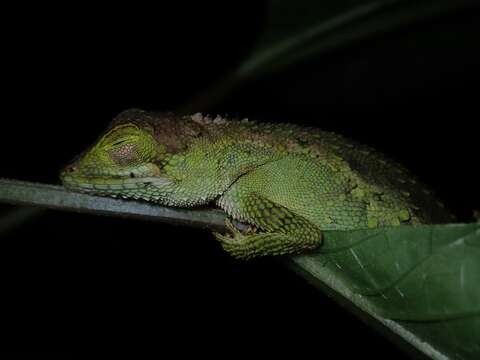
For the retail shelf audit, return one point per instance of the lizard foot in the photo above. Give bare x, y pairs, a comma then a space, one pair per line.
236, 231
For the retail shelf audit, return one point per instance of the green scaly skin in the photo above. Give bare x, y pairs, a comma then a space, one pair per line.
289, 183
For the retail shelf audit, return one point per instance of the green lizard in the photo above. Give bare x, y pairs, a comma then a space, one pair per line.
287, 182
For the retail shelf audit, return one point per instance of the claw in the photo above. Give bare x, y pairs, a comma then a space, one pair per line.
232, 234
230, 227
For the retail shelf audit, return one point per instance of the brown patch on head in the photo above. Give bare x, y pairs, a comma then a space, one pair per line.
173, 131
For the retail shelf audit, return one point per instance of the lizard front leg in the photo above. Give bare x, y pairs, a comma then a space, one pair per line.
284, 232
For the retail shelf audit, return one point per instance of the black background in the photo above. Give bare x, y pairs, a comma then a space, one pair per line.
72, 281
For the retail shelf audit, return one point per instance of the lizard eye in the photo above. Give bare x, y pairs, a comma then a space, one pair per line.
122, 142
125, 153
128, 145
119, 142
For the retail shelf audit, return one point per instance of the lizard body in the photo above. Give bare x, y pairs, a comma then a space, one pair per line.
287, 181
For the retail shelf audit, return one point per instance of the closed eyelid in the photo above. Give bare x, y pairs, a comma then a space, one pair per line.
119, 142
120, 134
122, 141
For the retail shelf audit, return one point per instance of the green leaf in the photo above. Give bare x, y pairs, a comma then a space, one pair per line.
423, 277
418, 282
299, 30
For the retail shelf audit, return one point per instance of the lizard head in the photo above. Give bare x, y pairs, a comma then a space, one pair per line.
121, 163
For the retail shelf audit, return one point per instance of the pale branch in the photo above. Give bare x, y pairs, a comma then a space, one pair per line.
58, 198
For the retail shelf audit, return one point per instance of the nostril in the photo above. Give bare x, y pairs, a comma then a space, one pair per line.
71, 169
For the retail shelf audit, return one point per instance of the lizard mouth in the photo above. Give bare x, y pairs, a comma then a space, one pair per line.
130, 183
